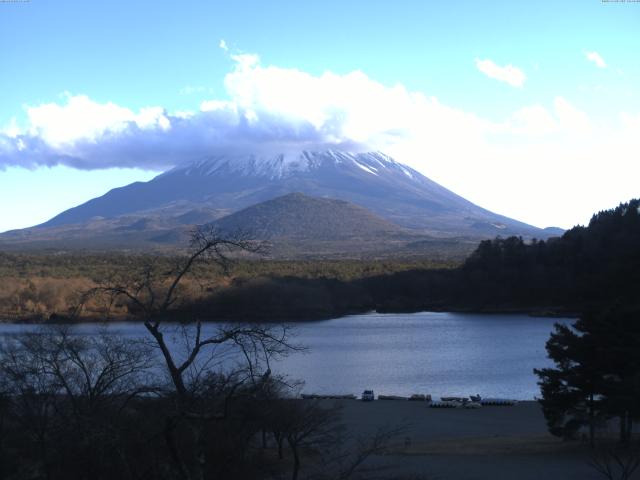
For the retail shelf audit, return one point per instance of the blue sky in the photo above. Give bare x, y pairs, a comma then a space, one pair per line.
503, 86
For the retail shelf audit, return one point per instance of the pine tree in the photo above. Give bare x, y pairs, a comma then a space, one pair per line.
617, 331
570, 399
596, 374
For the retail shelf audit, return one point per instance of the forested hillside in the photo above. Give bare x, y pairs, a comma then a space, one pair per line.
588, 267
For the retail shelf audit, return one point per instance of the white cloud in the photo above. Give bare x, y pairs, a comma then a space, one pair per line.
561, 118
12, 130
571, 119
223, 45
630, 122
596, 58
508, 74
60, 125
533, 120
245, 61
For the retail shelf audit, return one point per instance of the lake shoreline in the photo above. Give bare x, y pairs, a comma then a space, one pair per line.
55, 319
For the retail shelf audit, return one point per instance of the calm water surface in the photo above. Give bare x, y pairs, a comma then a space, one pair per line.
436, 353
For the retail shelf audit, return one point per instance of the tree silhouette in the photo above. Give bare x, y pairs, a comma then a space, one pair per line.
597, 373
200, 387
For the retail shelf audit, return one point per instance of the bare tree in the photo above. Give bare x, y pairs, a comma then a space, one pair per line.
316, 437
32, 397
616, 463
353, 462
92, 372
308, 425
65, 392
200, 384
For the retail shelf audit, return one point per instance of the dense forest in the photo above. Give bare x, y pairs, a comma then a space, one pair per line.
585, 268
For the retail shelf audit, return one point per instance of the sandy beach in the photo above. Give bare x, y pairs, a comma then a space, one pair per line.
458, 444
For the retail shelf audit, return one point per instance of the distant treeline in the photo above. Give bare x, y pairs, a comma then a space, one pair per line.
39, 286
585, 268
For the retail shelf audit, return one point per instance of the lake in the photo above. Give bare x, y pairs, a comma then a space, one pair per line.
443, 354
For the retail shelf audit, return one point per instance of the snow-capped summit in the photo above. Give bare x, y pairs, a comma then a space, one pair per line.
284, 165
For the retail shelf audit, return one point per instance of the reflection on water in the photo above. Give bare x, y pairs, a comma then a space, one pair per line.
437, 353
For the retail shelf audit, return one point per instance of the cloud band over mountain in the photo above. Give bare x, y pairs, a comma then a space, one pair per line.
274, 109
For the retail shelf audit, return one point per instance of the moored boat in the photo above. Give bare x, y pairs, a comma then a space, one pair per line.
498, 402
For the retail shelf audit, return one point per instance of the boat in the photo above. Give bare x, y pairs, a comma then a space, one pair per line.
445, 404
316, 396
498, 402
391, 397
453, 399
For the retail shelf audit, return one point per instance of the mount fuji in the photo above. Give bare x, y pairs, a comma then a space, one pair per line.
206, 190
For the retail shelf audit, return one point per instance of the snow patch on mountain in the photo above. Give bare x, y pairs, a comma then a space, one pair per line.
284, 165
365, 168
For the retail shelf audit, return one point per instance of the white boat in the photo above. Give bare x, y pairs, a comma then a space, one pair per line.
454, 399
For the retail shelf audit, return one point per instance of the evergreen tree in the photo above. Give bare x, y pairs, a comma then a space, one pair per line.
570, 397
596, 374
617, 330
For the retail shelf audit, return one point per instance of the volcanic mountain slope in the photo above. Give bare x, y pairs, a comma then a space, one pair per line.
371, 180
294, 226
298, 216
